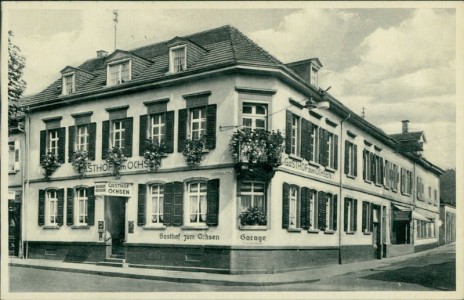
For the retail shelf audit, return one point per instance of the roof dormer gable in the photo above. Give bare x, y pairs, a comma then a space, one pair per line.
308, 70
121, 66
72, 78
183, 53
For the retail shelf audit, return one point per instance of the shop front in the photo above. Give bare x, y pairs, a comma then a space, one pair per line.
400, 235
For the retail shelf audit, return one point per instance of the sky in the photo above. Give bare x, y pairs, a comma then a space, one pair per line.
395, 63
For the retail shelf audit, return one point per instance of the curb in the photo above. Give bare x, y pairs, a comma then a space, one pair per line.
164, 278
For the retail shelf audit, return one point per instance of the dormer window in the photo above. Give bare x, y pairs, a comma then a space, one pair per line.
119, 72
178, 59
69, 85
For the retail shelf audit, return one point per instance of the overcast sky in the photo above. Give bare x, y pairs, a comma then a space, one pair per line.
396, 63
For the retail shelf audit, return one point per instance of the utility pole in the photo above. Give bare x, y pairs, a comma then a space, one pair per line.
115, 20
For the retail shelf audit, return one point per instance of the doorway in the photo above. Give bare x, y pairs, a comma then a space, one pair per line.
14, 227
115, 220
377, 232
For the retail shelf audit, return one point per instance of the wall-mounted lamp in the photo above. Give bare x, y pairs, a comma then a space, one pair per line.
311, 104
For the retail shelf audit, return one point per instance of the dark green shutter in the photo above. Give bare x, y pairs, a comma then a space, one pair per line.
211, 126
335, 156
128, 125
364, 216
382, 172
347, 157
322, 142
43, 143
178, 201
212, 216
345, 215
285, 205
335, 212
168, 204
321, 211
364, 164
141, 215
169, 137
61, 144
372, 166
143, 134
59, 218
355, 159
182, 130
105, 138
71, 132
305, 198
304, 134
355, 214
311, 149
91, 206
371, 218
92, 140
70, 207
41, 210
288, 132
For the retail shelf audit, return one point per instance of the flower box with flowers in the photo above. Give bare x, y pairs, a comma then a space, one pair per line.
153, 154
49, 162
80, 161
115, 160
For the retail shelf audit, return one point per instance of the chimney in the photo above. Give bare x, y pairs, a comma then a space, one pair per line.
405, 126
101, 53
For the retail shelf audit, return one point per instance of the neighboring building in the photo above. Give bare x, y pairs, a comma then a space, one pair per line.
448, 223
343, 192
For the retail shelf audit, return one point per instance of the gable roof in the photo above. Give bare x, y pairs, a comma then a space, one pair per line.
408, 136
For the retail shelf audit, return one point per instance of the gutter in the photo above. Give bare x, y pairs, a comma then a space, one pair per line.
341, 190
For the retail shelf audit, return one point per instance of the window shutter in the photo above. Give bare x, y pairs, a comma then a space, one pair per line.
168, 204
364, 216
71, 132
335, 212
304, 139
311, 149
169, 138
321, 211
178, 201
128, 125
364, 164
355, 159
143, 134
91, 206
212, 214
41, 210
92, 140
345, 216
288, 132
347, 157
305, 197
17, 151
43, 143
371, 217
382, 172
182, 130
322, 143
59, 218
285, 205
326, 149
141, 218
355, 215
211, 126
335, 154
105, 138
70, 207
61, 144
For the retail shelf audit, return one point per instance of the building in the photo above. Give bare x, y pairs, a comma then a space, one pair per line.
448, 223
219, 196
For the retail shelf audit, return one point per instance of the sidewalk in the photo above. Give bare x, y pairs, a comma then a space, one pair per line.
304, 276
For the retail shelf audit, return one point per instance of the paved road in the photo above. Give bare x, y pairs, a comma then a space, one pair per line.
429, 272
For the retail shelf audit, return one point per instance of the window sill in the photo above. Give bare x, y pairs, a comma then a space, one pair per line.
329, 169
350, 232
80, 227
194, 227
315, 164
296, 157
426, 238
12, 171
350, 176
294, 229
367, 233
51, 227
405, 194
154, 227
253, 227
378, 184
316, 231
367, 181
204, 151
327, 231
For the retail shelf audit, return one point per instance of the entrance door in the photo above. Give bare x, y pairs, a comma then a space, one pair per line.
377, 236
14, 227
115, 219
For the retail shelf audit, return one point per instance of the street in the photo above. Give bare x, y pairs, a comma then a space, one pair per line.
431, 271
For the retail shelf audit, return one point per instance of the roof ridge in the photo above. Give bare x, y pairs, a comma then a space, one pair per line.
232, 44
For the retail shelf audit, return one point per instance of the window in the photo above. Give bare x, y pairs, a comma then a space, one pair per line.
11, 156
51, 209
252, 194
425, 229
82, 138
312, 210
82, 206
196, 195
295, 138
351, 167
435, 202
119, 73
367, 217
406, 181
117, 134
158, 127
197, 123
53, 142
68, 84
331, 150
178, 59
314, 77
327, 211
254, 116
155, 203
315, 143
350, 216
294, 200
430, 194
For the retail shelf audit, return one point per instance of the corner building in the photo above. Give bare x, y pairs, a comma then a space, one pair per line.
338, 192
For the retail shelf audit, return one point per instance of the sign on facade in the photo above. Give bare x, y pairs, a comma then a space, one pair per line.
399, 215
119, 189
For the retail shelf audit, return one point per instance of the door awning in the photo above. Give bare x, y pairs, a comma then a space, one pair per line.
402, 208
418, 216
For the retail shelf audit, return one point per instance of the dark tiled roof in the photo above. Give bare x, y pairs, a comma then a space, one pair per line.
225, 46
407, 137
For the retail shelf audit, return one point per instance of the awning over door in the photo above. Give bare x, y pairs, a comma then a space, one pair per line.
402, 208
418, 216
401, 213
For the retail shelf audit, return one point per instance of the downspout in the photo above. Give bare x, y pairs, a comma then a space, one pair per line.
27, 185
341, 190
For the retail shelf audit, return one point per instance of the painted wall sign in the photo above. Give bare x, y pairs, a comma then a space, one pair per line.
304, 166
399, 215
253, 238
113, 189
129, 165
189, 237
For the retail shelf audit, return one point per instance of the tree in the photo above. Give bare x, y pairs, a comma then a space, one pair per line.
16, 85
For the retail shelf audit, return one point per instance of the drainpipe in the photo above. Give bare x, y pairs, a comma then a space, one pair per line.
27, 187
341, 190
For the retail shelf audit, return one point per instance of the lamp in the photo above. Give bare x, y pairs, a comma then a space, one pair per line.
311, 104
